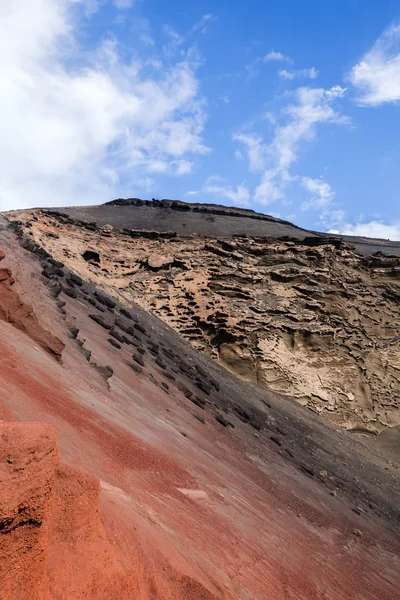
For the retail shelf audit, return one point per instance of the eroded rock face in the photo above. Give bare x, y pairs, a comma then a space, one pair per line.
28, 461
309, 318
21, 315
52, 541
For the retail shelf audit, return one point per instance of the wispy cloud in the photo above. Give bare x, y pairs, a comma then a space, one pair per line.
177, 39
299, 74
377, 76
254, 67
277, 57
72, 134
219, 188
311, 108
372, 229
321, 193
255, 149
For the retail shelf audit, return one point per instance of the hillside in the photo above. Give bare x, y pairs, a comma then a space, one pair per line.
127, 451
304, 314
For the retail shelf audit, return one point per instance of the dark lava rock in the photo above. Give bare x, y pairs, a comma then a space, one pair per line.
307, 470
105, 300
140, 328
165, 385
135, 368
137, 358
114, 343
74, 332
168, 353
221, 419
183, 388
201, 371
55, 289
122, 325
70, 292
242, 414
105, 372
141, 349
127, 314
255, 424
76, 279
204, 386
117, 336
55, 263
160, 363
276, 440
186, 370
168, 375
61, 303
92, 301
201, 419
101, 321
198, 402
215, 384
86, 353
50, 272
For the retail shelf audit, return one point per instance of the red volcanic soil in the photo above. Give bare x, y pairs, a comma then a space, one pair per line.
115, 490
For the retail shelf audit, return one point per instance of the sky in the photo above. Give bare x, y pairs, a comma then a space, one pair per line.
288, 108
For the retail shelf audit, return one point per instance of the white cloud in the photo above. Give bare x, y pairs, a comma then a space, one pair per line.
312, 107
239, 155
277, 56
269, 190
253, 68
373, 229
215, 186
377, 75
177, 40
192, 193
71, 131
255, 150
300, 73
322, 193
202, 25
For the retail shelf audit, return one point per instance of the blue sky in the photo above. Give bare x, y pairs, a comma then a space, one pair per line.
290, 108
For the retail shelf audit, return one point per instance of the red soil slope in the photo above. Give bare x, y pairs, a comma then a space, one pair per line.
147, 501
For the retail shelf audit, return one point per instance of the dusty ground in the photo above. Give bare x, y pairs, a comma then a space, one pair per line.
156, 503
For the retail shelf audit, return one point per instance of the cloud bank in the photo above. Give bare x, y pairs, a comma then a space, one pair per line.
74, 125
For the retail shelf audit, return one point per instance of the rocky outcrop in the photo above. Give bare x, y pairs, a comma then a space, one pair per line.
50, 523
21, 315
310, 318
28, 461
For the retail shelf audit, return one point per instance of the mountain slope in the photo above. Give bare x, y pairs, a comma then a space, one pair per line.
209, 487
303, 314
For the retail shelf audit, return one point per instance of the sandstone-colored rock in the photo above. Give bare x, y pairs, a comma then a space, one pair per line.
159, 261
309, 318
